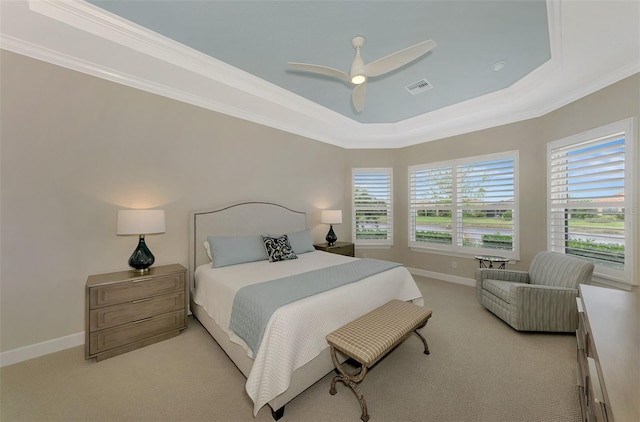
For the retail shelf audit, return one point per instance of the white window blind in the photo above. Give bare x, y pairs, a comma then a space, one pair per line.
372, 206
486, 202
431, 198
466, 206
589, 198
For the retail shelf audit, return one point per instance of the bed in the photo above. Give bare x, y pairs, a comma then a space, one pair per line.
293, 353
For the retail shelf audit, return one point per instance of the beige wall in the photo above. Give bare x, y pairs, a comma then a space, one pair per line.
616, 102
75, 149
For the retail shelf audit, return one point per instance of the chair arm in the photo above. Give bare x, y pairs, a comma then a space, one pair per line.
504, 275
545, 308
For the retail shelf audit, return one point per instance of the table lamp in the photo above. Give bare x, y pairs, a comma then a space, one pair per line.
141, 222
331, 217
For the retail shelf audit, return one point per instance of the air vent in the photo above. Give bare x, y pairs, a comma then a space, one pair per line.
417, 87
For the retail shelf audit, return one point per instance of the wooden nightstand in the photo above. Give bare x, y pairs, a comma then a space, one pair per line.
341, 248
127, 310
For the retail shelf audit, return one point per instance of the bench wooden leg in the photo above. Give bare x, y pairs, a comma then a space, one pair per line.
350, 380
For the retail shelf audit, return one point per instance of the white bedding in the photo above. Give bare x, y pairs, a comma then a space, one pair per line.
296, 332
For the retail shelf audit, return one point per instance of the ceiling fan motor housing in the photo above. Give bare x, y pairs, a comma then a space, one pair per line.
356, 74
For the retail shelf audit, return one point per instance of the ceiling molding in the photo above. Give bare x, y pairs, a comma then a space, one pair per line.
165, 67
90, 18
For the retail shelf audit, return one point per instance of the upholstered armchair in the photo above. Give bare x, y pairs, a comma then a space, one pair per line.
541, 299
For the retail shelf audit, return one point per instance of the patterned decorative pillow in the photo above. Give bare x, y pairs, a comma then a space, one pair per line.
278, 248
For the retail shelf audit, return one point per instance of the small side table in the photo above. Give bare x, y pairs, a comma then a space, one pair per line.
340, 248
487, 261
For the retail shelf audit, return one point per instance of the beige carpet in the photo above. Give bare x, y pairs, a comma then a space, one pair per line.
479, 370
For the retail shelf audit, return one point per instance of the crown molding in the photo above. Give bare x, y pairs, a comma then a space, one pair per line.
165, 67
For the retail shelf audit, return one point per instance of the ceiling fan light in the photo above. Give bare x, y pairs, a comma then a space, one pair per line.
358, 79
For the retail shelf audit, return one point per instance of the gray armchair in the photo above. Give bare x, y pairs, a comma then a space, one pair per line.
542, 299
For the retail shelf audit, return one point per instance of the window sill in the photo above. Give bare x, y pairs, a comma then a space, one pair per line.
369, 246
458, 254
610, 282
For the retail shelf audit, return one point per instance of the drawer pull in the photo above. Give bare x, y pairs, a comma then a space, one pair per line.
595, 380
137, 280
142, 320
579, 375
579, 305
142, 300
580, 339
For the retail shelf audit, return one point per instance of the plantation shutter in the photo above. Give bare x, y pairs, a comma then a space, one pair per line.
372, 206
587, 200
485, 193
467, 206
430, 193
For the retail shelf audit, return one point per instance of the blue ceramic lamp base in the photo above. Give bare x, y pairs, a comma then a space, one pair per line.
141, 258
331, 236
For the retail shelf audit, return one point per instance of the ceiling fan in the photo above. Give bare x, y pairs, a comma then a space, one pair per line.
360, 72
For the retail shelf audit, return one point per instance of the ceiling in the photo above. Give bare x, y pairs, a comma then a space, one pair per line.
261, 37
231, 57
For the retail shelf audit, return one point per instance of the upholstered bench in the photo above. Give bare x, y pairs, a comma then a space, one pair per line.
370, 337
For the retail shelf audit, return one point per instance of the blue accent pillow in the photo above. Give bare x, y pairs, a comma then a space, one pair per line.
301, 241
227, 251
278, 248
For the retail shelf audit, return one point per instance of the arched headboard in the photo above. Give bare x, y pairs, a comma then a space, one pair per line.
243, 219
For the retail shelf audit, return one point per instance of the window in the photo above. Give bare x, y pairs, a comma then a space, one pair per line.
372, 206
590, 199
466, 206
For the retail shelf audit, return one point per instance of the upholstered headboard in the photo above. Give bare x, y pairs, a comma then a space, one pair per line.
243, 219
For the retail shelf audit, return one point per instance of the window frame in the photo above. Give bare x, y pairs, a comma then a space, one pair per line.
372, 243
620, 128
457, 209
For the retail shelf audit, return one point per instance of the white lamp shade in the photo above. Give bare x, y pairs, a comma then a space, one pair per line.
331, 217
140, 222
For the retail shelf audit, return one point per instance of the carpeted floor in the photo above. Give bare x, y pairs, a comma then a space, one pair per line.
479, 369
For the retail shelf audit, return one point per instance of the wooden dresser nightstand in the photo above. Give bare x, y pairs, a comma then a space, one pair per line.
127, 310
340, 248
607, 338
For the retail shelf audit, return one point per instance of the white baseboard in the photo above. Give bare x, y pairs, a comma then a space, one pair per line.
40, 349
445, 277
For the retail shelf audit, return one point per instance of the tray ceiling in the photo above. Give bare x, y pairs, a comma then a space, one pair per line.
231, 56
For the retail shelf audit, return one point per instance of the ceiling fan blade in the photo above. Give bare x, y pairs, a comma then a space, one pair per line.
323, 70
358, 96
398, 59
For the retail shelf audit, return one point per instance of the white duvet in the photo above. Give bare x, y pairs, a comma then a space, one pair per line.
296, 332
